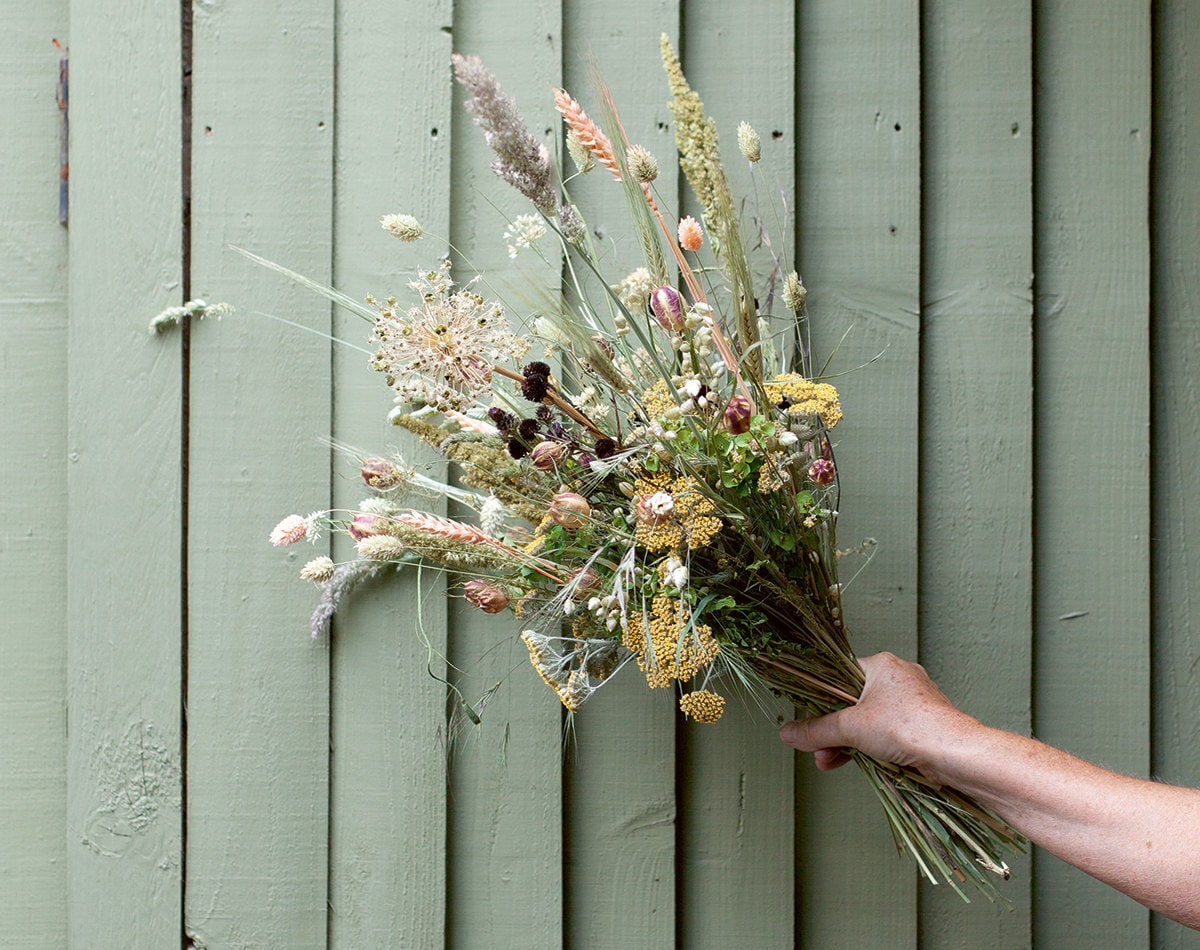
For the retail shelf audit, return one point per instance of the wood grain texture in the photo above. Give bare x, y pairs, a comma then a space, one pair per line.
977, 397
1092, 415
124, 821
388, 764
33, 518
259, 405
506, 797
736, 797
620, 811
1175, 625
859, 250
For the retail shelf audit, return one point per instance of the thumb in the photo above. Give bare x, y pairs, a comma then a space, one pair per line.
809, 735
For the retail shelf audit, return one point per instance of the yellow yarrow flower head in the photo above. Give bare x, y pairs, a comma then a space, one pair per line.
702, 705
667, 644
798, 396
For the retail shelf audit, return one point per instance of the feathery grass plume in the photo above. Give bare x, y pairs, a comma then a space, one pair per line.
427, 432
586, 132
643, 210
700, 159
521, 160
695, 133
199, 309
345, 578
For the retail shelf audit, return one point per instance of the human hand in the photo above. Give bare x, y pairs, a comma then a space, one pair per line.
901, 717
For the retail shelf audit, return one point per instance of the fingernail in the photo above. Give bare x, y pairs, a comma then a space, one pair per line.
788, 732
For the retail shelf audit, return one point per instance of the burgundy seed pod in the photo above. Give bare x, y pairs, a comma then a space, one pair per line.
379, 473
737, 414
489, 598
570, 510
546, 455
366, 525
821, 471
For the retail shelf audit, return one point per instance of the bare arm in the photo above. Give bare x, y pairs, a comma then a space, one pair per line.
1141, 837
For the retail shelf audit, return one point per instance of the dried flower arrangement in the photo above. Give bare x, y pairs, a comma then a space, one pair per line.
666, 499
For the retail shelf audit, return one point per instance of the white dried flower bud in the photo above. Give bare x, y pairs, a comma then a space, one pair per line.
749, 142
318, 569
794, 292
643, 165
403, 226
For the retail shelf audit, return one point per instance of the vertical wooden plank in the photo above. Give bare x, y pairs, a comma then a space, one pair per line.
736, 857
1091, 421
124, 820
33, 430
976, 397
1175, 577
505, 847
258, 691
388, 766
619, 821
859, 214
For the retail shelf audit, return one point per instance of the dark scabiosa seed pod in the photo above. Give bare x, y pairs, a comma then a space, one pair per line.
528, 430
504, 421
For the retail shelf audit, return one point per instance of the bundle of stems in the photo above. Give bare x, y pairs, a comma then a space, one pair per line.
667, 499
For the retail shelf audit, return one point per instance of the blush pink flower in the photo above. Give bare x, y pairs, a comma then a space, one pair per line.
291, 529
691, 235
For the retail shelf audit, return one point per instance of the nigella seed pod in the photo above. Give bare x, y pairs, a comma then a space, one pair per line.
737, 415
570, 510
489, 598
380, 474
366, 525
667, 307
821, 471
588, 583
546, 455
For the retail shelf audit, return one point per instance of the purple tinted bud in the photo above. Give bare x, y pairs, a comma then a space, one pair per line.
667, 307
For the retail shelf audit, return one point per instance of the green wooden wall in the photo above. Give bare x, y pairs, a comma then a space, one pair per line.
1002, 198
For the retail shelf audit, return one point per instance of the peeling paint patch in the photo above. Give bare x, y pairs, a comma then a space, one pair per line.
137, 776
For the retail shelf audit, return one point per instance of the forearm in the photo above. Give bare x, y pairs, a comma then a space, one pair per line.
1140, 837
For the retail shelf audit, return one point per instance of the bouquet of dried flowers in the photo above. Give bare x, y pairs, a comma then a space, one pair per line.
659, 491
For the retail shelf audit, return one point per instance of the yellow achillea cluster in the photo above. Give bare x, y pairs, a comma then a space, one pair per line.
770, 476
669, 655
798, 396
703, 705
692, 521
657, 401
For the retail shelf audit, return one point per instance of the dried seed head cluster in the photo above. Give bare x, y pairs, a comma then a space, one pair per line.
442, 351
